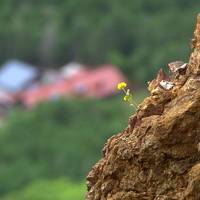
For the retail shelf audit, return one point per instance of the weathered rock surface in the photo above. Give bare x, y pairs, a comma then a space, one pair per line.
158, 156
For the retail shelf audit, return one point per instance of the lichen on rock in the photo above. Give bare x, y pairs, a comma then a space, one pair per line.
157, 157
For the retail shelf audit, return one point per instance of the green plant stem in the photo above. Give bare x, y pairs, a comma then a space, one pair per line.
132, 103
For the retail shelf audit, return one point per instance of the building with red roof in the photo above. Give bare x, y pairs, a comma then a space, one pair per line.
93, 83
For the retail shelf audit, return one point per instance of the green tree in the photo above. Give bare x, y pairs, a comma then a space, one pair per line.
57, 139
139, 36
49, 190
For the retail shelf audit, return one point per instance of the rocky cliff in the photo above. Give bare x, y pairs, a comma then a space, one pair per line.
158, 156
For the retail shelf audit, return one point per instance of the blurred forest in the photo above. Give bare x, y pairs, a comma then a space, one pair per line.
46, 154
139, 35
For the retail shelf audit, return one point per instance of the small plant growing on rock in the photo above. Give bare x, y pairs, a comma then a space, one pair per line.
128, 95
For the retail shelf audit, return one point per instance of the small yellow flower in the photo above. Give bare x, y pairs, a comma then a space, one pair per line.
121, 85
127, 98
128, 95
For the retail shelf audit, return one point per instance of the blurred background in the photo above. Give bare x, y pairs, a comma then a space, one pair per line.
60, 62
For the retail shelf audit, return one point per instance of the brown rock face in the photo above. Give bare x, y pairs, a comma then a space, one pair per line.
158, 156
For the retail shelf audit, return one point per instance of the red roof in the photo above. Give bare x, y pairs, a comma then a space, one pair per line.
100, 82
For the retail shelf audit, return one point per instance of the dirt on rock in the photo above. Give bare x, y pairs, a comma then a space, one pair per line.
157, 157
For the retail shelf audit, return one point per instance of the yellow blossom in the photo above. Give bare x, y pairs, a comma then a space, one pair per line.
121, 85
128, 95
126, 98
